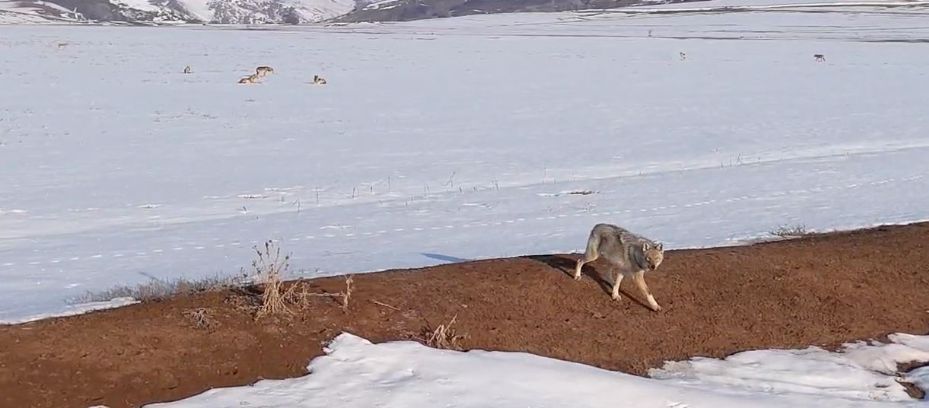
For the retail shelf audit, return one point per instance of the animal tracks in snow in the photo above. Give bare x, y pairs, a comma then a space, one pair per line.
341, 231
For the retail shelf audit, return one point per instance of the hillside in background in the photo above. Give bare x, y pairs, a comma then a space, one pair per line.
277, 11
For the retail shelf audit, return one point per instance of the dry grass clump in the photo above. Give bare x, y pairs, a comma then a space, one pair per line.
276, 297
160, 289
444, 336
261, 291
270, 268
200, 317
795, 231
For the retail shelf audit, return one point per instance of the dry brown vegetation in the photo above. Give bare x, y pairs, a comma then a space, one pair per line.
270, 269
443, 336
159, 289
794, 231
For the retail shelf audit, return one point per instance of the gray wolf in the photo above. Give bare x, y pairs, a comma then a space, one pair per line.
819, 57
683, 55
263, 70
251, 79
318, 80
187, 69
627, 253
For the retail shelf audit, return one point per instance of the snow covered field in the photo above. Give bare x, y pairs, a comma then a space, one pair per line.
443, 140
356, 373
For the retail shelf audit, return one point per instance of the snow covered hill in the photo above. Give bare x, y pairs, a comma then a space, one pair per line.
174, 11
267, 11
277, 11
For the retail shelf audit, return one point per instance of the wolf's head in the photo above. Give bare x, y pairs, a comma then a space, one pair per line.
653, 254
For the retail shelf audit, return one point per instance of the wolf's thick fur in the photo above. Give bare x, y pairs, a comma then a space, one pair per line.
627, 254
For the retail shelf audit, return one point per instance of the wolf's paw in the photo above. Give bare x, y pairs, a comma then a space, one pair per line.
657, 308
577, 277
616, 296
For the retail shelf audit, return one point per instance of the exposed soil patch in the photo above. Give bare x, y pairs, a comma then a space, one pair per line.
912, 390
818, 290
906, 368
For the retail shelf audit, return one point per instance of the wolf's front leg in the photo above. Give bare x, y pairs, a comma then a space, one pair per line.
639, 279
616, 282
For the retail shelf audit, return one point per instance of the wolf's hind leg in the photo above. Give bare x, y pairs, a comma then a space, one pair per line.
589, 256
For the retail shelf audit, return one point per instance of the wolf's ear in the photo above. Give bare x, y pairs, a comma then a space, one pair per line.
644, 246
660, 246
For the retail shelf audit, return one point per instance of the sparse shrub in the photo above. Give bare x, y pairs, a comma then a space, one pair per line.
159, 289
795, 231
261, 291
444, 336
270, 269
200, 317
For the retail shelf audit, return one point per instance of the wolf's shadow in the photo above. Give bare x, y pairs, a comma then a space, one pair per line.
567, 263
444, 258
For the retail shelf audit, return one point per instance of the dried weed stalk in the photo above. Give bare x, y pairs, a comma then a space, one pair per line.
200, 317
270, 268
444, 336
347, 293
795, 231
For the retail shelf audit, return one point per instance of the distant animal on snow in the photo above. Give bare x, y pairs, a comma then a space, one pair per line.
262, 71
819, 57
683, 56
318, 80
251, 79
628, 254
187, 69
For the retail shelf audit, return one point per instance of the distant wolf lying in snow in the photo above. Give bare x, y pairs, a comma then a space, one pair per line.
251, 79
262, 71
318, 80
627, 254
